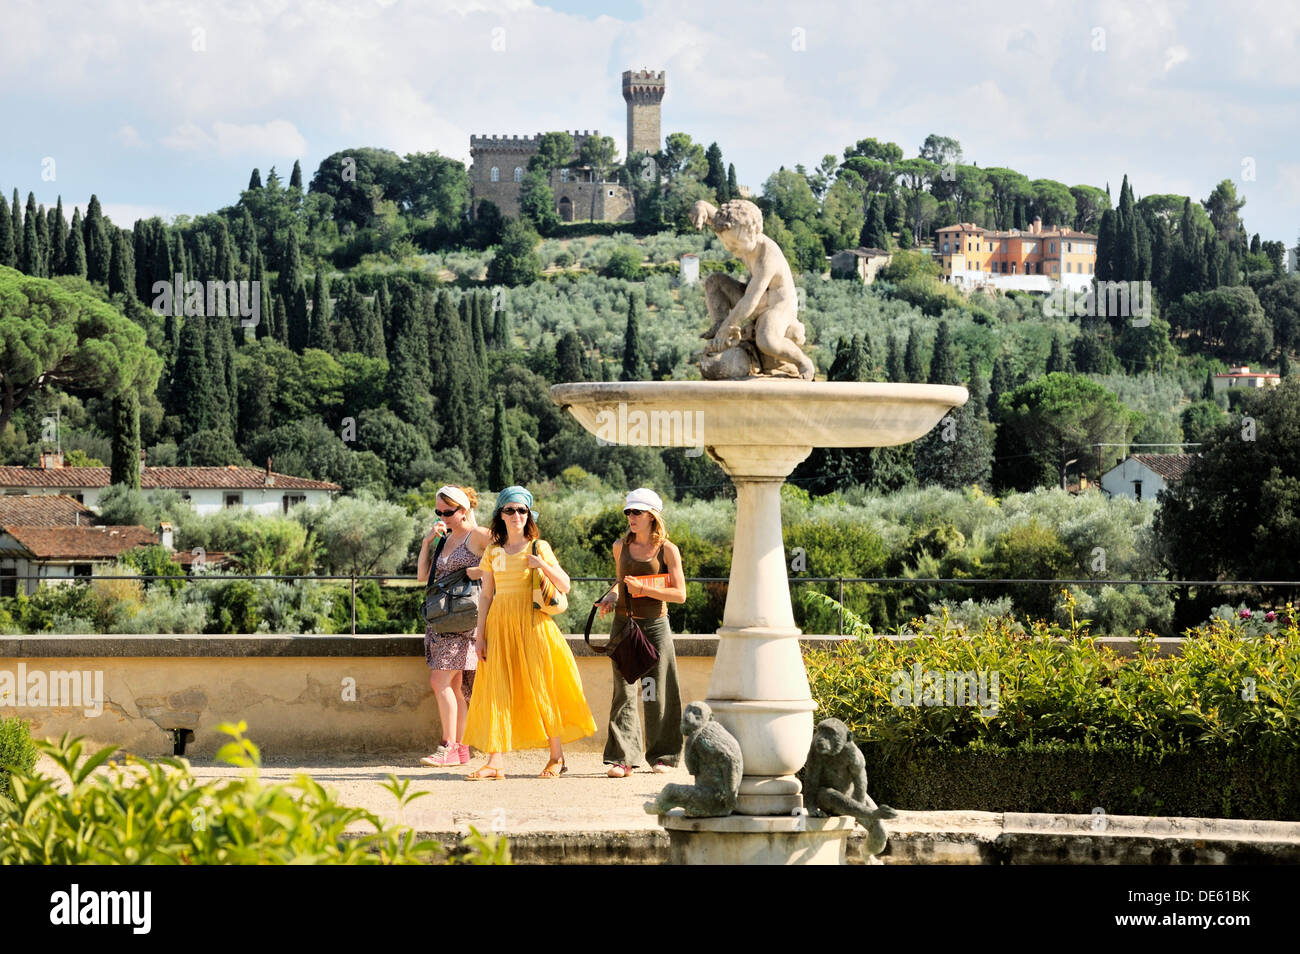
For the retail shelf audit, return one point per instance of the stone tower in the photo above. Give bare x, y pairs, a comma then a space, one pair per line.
644, 91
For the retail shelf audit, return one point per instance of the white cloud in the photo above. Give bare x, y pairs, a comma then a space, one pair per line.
128, 137
1174, 56
279, 137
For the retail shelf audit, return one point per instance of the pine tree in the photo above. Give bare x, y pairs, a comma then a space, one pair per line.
125, 466
318, 332
16, 229
1056, 359
7, 258
255, 180
501, 471
75, 259
943, 365
31, 258
894, 363
912, 366
98, 250
635, 367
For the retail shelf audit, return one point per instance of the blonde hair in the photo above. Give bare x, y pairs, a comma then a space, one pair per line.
658, 530
472, 494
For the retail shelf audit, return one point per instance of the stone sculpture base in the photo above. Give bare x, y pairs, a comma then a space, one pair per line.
747, 840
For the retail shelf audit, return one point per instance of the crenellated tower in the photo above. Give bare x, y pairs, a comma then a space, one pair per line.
644, 91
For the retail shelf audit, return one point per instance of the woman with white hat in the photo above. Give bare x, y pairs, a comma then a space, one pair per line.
649, 573
460, 543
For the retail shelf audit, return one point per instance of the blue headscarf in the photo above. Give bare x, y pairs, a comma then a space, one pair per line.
515, 495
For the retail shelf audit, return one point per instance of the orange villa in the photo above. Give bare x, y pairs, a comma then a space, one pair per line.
970, 255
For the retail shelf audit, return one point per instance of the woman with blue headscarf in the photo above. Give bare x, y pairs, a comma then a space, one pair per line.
527, 693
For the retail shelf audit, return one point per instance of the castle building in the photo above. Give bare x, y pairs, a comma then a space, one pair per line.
499, 162
970, 255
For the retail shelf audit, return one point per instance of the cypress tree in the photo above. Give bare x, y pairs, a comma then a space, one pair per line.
98, 251
121, 272
299, 322
733, 190
58, 240
476, 332
75, 259
1001, 382
255, 180
31, 257
874, 233
291, 274
142, 255
349, 321
503, 336
449, 358
16, 229
295, 177
43, 241
370, 335
1056, 359
912, 366
191, 390
125, 468
318, 332
1207, 390
218, 394
894, 363
6, 235
409, 375
501, 471
568, 357
943, 365
716, 178
180, 260
635, 367
280, 323
159, 265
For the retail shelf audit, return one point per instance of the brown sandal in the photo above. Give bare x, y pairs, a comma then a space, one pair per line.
554, 769
486, 773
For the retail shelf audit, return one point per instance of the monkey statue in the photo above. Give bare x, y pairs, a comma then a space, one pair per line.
713, 757
835, 782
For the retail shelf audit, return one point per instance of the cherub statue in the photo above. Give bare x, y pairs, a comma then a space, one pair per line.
713, 757
770, 344
835, 782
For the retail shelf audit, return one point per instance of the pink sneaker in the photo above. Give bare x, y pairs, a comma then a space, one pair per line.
464, 752
445, 754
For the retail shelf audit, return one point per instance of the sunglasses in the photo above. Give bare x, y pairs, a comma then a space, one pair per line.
514, 511
446, 513
631, 512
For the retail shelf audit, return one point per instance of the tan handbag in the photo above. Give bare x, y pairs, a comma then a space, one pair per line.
545, 596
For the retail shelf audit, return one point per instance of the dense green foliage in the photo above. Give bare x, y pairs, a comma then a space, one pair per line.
154, 812
18, 753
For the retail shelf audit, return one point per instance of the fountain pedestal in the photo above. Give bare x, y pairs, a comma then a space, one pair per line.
758, 431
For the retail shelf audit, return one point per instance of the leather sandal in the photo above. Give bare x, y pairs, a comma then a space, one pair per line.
487, 773
554, 769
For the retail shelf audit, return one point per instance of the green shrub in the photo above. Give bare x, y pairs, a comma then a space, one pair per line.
625, 263
156, 813
18, 752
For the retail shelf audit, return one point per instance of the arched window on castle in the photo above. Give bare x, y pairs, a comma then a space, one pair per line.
496, 174
519, 174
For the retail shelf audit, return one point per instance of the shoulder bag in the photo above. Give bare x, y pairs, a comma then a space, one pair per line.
451, 601
633, 653
545, 596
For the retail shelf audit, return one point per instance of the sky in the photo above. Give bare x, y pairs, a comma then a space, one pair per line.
163, 107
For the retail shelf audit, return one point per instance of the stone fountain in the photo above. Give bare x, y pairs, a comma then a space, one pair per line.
758, 426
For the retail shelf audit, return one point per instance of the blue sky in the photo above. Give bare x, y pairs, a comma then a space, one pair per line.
163, 107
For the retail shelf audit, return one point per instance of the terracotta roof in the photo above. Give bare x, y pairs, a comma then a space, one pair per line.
160, 478
1168, 466
863, 251
65, 543
44, 510
216, 557
1050, 232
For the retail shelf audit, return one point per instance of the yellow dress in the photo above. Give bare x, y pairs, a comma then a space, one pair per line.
528, 688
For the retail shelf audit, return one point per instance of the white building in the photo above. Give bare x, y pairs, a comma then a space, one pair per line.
207, 489
1237, 378
1143, 476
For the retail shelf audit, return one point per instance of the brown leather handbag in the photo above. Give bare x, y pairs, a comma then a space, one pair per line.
633, 653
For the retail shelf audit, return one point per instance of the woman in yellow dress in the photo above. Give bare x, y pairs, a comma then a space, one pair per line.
527, 693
